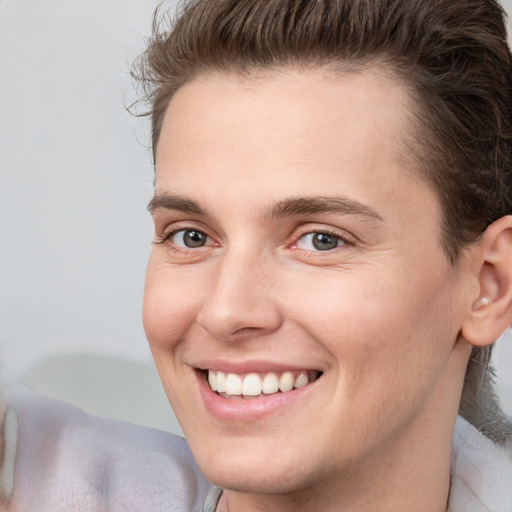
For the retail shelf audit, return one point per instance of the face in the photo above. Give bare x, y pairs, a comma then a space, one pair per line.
297, 269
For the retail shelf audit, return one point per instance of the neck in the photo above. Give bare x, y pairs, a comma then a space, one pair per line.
411, 471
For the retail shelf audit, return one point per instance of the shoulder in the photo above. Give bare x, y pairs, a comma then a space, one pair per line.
481, 472
66, 459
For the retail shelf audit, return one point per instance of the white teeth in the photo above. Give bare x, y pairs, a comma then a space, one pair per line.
233, 384
252, 385
270, 384
212, 380
286, 382
221, 382
301, 381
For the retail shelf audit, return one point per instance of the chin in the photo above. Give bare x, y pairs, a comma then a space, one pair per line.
255, 467
256, 479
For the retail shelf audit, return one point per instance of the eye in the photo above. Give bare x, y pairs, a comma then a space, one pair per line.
188, 238
317, 241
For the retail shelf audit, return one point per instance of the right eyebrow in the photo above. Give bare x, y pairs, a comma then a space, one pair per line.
167, 201
312, 205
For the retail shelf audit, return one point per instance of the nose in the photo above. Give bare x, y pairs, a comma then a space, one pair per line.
241, 303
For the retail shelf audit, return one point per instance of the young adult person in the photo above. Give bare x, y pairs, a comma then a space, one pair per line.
331, 266
333, 248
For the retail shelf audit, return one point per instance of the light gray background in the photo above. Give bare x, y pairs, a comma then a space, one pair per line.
75, 178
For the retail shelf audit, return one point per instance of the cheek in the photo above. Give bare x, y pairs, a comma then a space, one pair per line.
380, 325
389, 341
169, 306
344, 308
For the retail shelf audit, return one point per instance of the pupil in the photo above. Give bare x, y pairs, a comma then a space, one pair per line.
193, 238
324, 242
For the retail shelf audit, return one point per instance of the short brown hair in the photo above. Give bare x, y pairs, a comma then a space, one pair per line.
452, 54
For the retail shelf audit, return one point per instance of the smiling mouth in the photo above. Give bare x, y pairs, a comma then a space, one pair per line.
254, 385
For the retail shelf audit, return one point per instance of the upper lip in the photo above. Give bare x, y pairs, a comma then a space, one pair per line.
253, 366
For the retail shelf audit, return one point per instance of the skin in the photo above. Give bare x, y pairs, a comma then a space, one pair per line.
380, 315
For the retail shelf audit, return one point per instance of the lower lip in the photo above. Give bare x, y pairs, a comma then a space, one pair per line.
247, 410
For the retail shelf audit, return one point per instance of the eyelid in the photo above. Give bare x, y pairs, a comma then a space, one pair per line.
346, 238
172, 229
309, 242
173, 235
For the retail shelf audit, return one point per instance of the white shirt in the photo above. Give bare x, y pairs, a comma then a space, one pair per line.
57, 458
481, 472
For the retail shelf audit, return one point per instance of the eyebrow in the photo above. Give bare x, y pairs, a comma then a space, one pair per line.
309, 205
285, 208
174, 202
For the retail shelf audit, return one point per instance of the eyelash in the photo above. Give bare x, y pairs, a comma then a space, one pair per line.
167, 236
342, 239
331, 233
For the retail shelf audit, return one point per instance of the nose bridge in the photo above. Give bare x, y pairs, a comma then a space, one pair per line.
240, 300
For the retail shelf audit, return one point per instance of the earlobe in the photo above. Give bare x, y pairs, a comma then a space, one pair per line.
491, 311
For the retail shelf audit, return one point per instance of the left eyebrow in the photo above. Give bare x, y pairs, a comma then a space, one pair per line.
174, 202
309, 205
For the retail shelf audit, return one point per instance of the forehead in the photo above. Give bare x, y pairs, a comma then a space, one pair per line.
282, 102
309, 127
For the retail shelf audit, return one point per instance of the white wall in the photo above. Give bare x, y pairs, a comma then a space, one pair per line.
74, 183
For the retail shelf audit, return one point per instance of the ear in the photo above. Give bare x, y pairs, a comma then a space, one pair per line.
491, 311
